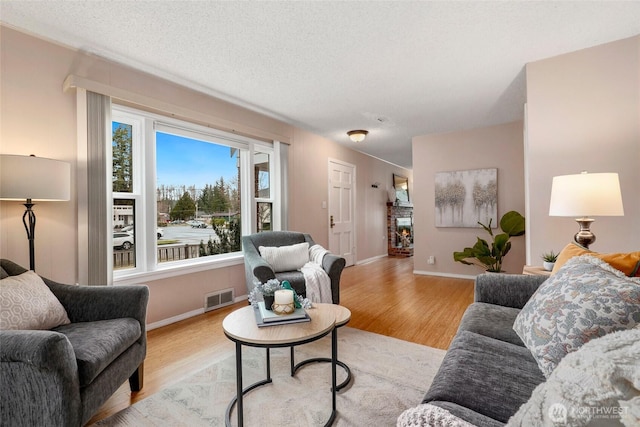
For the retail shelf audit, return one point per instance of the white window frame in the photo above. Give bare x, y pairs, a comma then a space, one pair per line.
147, 267
270, 151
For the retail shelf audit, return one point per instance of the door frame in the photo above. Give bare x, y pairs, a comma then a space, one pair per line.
353, 203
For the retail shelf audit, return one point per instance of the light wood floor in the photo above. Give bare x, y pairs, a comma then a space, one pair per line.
384, 297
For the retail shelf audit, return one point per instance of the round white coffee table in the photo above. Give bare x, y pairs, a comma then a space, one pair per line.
241, 327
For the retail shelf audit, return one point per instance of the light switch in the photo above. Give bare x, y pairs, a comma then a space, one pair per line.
324, 205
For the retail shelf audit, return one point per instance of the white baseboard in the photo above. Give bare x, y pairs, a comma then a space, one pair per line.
187, 315
372, 259
437, 273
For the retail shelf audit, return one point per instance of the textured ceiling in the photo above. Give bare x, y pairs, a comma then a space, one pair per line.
398, 69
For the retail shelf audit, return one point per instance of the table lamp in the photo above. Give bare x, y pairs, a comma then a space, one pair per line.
33, 179
584, 195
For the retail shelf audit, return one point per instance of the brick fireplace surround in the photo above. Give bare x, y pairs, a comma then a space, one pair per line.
395, 211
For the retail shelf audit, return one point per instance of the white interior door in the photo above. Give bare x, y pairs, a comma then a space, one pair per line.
341, 210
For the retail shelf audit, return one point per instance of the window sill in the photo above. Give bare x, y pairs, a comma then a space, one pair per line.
173, 269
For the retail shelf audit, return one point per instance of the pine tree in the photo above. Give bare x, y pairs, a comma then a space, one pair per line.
184, 208
122, 159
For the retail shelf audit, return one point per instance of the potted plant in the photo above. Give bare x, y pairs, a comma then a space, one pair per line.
267, 290
490, 257
549, 259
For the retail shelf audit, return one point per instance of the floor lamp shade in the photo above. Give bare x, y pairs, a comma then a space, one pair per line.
31, 179
35, 178
585, 195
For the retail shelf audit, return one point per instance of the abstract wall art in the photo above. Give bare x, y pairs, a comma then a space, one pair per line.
464, 198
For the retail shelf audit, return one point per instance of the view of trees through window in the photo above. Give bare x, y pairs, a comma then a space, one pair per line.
198, 209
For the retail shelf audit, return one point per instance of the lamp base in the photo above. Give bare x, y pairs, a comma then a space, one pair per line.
584, 237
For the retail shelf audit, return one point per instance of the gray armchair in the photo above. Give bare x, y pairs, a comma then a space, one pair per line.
257, 269
61, 377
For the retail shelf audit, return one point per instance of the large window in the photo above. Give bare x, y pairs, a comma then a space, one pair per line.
184, 194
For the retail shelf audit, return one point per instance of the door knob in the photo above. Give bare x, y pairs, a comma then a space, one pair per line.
332, 224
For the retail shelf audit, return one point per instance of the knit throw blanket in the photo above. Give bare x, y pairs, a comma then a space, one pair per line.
427, 415
317, 282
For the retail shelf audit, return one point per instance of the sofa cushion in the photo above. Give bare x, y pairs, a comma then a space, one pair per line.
490, 320
627, 262
97, 344
3, 273
295, 279
598, 382
488, 376
285, 258
27, 303
586, 299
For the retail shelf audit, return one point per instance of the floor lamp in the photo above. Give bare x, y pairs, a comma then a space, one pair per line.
33, 179
584, 195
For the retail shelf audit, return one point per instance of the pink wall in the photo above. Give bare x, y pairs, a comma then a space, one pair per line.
309, 165
584, 114
498, 147
37, 117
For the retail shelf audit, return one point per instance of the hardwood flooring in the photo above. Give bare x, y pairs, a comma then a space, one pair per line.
384, 297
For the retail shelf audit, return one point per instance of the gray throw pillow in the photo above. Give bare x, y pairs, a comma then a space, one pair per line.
585, 299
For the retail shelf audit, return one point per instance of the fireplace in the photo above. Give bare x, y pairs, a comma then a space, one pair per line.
399, 229
404, 232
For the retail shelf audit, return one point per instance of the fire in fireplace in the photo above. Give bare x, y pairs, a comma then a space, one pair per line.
404, 232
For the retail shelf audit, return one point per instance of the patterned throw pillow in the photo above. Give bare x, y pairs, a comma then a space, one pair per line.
286, 258
26, 302
585, 299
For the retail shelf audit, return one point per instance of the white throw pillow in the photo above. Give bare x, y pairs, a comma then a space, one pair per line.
286, 258
26, 302
598, 383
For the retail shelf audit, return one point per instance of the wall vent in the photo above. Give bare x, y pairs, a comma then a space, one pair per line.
218, 299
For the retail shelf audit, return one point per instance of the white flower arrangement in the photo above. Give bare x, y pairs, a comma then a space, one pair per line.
261, 289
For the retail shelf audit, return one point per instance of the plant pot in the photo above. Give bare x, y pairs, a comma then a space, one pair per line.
268, 301
548, 265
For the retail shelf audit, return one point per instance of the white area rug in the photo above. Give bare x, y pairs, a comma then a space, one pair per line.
388, 376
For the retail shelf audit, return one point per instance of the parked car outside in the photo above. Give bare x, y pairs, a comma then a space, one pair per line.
198, 224
122, 240
159, 232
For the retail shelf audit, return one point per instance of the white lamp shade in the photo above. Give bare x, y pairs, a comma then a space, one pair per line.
586, 194
35, 178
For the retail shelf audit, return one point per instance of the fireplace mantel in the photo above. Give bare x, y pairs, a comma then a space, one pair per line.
397, 211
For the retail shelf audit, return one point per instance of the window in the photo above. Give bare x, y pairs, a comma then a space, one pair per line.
184, 194
262, 190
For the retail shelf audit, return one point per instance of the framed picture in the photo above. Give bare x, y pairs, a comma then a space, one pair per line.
464, 198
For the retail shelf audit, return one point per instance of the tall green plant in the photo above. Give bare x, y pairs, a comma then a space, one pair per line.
490, 257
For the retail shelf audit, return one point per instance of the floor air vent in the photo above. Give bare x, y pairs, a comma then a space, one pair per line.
218, 299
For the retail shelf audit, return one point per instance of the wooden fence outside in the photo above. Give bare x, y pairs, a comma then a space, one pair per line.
126, 259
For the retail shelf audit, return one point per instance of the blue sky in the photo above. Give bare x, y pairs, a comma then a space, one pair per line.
184, 161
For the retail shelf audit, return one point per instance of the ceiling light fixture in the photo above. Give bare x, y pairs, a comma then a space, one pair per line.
357, 135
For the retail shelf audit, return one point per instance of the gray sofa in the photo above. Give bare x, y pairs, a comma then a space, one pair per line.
257, 269
61, 377
488, 373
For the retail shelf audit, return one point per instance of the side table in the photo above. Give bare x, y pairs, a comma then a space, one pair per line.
534, 270
343, 315
241, 327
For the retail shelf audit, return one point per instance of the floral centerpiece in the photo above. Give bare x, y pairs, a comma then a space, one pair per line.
265, 291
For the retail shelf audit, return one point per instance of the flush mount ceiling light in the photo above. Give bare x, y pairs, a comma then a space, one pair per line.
357, 135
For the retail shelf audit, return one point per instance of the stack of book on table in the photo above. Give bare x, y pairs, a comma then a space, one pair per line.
266, 317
